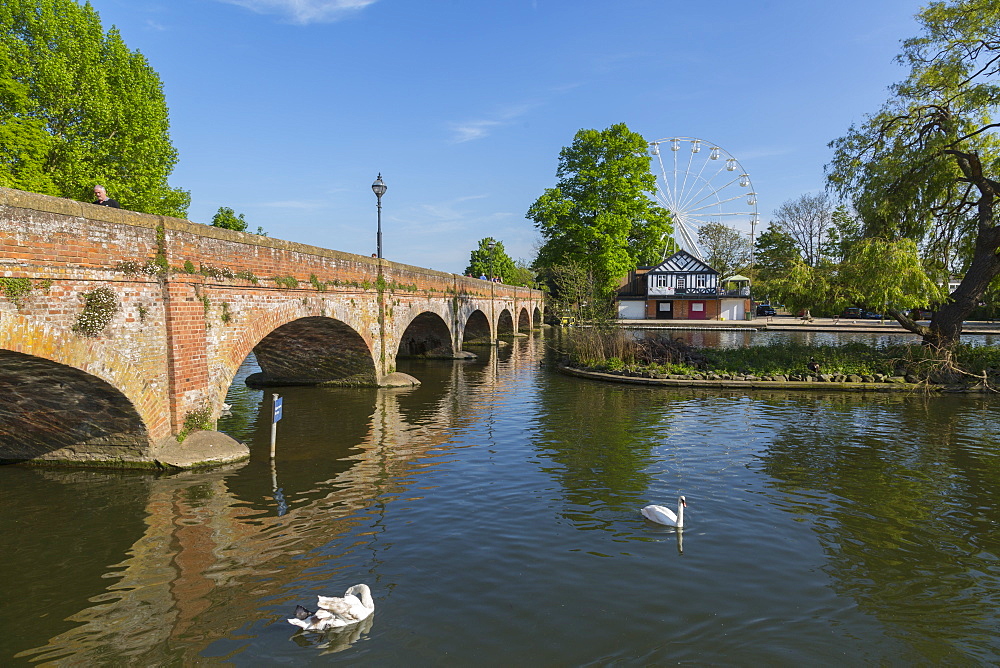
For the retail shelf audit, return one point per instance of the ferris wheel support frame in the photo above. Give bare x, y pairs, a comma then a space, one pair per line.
689, 207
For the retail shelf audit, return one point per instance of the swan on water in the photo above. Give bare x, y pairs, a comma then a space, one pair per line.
663, 515
333, 612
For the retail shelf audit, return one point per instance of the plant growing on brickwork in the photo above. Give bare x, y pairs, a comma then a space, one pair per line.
160, 261
247, 275
99, 307
45, 285
365, 285
286, 282
189, 267
216, 272
316, 283
227, 315
206, 302
143, 312
16, 289
133, 268
380, 283
199, 419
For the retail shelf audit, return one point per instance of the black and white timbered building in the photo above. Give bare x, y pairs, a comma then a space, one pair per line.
683, 287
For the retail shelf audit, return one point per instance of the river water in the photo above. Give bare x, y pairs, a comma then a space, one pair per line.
493, 511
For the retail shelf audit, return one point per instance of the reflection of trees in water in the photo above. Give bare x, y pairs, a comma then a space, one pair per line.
601, 438
905, 493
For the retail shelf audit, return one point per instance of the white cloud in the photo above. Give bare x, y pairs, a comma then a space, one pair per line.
304, 11
477, 129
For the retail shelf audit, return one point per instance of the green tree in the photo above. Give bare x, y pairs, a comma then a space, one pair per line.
600, 215
490, 263
888, 275
78, 108
575, 293
227, 219
523, 274
774, 253
727, 249
844, 232
925, 167
801, 287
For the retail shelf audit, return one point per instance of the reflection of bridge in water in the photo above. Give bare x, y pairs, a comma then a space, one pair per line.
207, 541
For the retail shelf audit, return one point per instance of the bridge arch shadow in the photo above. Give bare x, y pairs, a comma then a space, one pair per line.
426, 336
505, 323
477, 330
313, 350
50, 406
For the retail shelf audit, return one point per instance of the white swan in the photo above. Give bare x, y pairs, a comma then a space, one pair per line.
663, 515
356, 605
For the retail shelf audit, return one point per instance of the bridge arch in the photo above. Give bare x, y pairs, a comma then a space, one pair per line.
52, 408
477, 329
314, 350
523, 320
426, 335
505, 323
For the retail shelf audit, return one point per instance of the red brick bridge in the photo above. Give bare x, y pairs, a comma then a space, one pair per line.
120, 332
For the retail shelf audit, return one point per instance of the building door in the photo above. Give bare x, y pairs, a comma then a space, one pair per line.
664, 310
696, 311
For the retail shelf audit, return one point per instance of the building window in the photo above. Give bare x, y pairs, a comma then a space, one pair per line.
701, 281
661, 281
681, 283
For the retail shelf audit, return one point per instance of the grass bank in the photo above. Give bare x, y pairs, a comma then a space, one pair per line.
613, 350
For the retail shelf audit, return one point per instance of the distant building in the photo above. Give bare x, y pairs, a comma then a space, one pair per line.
682, 287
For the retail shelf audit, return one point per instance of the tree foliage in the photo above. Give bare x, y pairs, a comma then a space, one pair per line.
925, 166
490, 263
727, 249
600, 215
575, 293
227, 219
77, 107
888, 276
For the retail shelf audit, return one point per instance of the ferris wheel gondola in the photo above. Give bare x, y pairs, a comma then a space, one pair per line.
707, 185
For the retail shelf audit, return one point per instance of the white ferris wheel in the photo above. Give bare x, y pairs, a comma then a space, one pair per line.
699, 182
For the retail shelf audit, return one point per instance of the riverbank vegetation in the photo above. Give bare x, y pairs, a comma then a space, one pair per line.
618, 351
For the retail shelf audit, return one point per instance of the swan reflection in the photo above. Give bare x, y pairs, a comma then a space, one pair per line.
336, 639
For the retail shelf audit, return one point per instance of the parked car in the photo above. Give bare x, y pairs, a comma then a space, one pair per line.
852, 312
765, 309
868, 315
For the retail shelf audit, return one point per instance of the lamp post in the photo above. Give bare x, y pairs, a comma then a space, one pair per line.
493, 316
379, 189
491, 245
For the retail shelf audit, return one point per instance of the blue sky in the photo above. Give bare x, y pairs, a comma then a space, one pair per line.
286, 110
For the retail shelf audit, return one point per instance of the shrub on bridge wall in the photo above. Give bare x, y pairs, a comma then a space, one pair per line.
99, 307
134, 268
247, 275
16, 289
199, 419
316, 283
286, 282
216, 272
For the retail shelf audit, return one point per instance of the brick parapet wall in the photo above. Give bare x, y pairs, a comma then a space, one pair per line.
170, 332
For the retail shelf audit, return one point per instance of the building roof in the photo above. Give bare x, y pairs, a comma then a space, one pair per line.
682, 262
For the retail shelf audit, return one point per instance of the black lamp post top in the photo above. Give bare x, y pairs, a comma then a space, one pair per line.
379, 187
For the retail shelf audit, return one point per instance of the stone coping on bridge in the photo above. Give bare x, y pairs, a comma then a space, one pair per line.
57, 205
